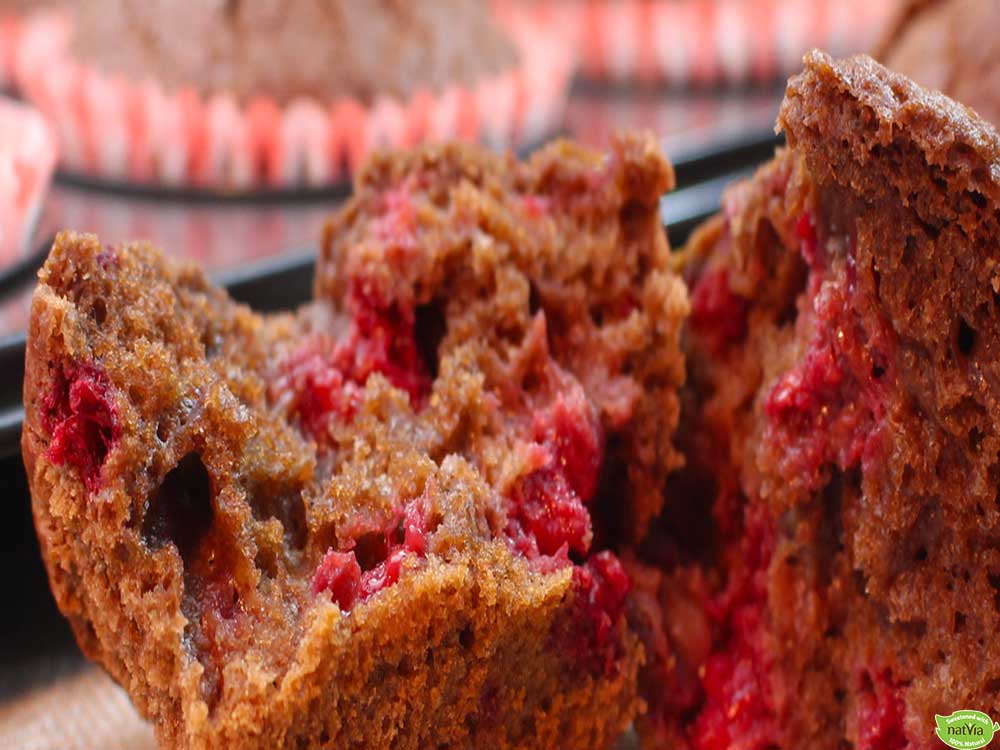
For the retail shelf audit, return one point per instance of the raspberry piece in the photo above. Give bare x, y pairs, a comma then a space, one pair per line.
601, 585
575, 440
738, 709
716, 313
536, 206
736, 712
547, 515
880, 713
383, 339
413, 527
805, 228
340, 575
829, 407
83, 423
383, 575
396, 226
808, 388
318, 390
340, 572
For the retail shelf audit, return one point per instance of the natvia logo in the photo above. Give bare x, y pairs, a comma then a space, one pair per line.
966, 730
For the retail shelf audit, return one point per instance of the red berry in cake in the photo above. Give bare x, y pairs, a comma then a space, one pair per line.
812, 252
317, 389
82, 420
547, 512
737, 709
600, 586
718, 314
321, 382
397, 223
546, 517
340, 575
575, 439
383, 339
880, 713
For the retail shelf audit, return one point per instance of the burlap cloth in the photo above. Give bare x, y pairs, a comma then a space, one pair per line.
77, 708
84, 710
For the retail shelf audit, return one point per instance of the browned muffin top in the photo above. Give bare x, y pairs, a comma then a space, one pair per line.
842, 352
290, 48
385, 520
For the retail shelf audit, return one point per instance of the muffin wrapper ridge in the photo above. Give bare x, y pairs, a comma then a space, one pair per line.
701, 42
10, 34
27, 159
137, 132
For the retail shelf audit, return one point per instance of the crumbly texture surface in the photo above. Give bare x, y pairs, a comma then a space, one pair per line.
379, 522
949, 45
284, 49
843, 429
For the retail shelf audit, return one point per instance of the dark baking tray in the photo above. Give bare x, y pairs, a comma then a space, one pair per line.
693, 162
697, 159
721, 157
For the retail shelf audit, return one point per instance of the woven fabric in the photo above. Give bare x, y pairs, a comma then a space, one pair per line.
84, 710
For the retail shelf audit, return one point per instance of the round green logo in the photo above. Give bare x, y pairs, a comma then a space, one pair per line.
966, 730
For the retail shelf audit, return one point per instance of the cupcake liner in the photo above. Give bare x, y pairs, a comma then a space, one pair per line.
685, 42
27, 158
112, 128
10, 35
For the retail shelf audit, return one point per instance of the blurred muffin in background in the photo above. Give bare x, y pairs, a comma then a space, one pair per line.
950, 45
711, 42
284, 49
244, 94
11, 14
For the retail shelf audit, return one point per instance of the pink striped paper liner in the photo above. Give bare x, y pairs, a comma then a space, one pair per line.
137, 132
10, 34
27, 158
698, 42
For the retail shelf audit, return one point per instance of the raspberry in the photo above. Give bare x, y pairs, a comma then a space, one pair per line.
322, 387
547, 512
575, 440
83, 422
340, 575
805, 228
547, 515
718, 314
737, 709
601, 585
880, 713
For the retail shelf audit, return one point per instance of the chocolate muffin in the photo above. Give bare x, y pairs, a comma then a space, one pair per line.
260, 93
320, 49
841, 429
11, 16
387, 519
